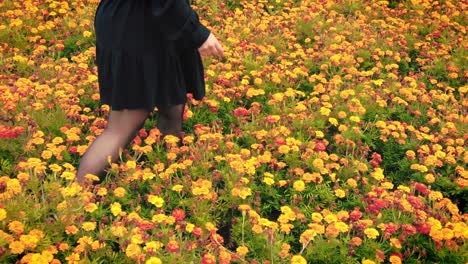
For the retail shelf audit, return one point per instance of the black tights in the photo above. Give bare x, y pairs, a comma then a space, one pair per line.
121, 128
170, 119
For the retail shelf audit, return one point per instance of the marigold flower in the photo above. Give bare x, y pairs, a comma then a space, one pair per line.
90, 207
156, 200
340, 193
153, 246
242, 250
371, 233
120, 192
172, 246
299, 185
395, 259
16, 227
297, 259
89, 226
133, 251
71, 230
355, 241
16, 247
3, 214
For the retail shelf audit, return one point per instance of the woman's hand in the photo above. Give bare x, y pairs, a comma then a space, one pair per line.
211, 47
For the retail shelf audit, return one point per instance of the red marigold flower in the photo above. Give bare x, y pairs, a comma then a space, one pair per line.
320, 146
208, 259
355, 215
423, 228
422, 188
179, 214
241, 111
197, 231
173, 246
408, 229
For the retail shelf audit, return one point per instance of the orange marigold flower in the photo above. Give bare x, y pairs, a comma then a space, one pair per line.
16, 227
16, 247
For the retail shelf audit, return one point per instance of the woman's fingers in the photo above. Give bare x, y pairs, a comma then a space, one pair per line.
211, 47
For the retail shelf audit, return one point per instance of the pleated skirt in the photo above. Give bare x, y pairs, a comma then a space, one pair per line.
137, 67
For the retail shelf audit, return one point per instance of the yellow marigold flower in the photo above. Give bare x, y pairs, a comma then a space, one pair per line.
16, 247
319, 134
23, 177
177, 188
333, 121
268, 181
447, 233
318, 163
378, 174
342, 227
29, 241
284, 149
46, 154
429, 178
297, 259
116, 209
102, 191
89, 226
14, 186
87, 34
170, 220
120, 192
355, 119
242, 192
136, 239
258, 81
435, 196
371, 233
189, 227
299, 185
367, 261
330, 218
153, 260
16, 227
131, 164
153, 246
257, 229
133, 251
340, 193
156, 200
307, 236
3, 214
317, 217
91, 177
351, 182
91, 207
159, 218
404, 188
242, 250
118, 231
325, 111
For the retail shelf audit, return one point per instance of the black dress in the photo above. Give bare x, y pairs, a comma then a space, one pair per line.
147, 53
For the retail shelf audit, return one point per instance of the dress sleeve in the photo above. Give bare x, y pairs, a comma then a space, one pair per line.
179, 22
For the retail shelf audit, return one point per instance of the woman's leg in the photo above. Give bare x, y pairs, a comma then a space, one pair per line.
122, 127
170, 119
